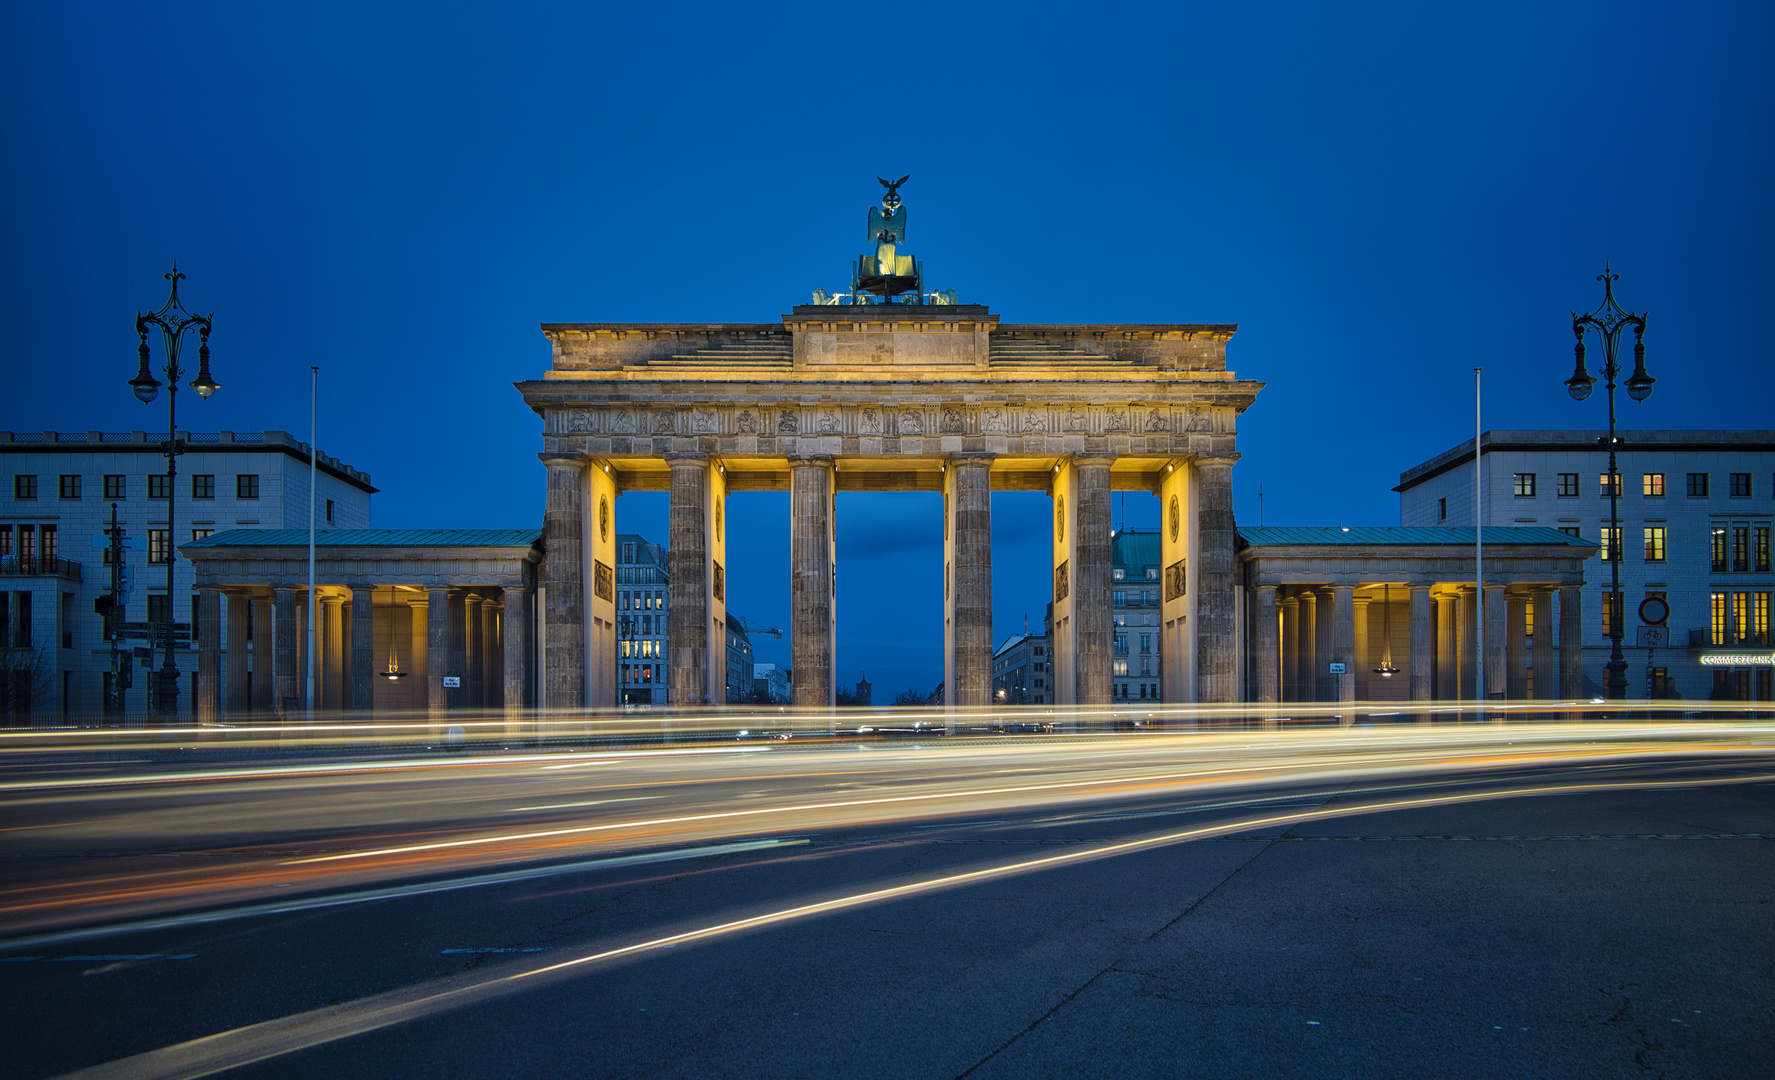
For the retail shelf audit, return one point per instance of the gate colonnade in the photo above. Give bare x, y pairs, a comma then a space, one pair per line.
1318, 597
450, 608
888, 397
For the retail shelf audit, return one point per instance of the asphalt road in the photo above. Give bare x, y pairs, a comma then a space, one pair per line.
1620, 930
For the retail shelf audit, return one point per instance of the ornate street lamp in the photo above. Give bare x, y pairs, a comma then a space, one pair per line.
1608, 321
174, 322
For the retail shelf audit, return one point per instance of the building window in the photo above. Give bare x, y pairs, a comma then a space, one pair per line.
1741, 548
1607, 487
1119, 668
1524, 485
1568, 485
160, 486
47, 535
246, 486
1441, 509
203, 487
1697, 485
1611, 542
1121, 598
69, 487
1146, 643
1653, 485
1740, 482
24, 487
1740, 619
1152, 573
115, 488
1611, 613
1759, 618
1716, 618
1572, 530
329, 511
1760, 550
1717, 543
1146, 668
159, 609
199, 534
159, 545
1654, 543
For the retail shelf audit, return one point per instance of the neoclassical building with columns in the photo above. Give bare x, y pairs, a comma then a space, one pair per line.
888, 397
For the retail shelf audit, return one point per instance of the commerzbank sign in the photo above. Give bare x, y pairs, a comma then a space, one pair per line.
1738, 659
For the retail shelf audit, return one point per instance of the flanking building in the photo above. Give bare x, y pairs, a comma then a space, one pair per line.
1696, 510
1020, 671
1134, 598
57, 490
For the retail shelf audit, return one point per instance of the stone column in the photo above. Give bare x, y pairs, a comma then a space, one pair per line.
1306, 671
333, 694
1497, 627
1546, 668
437, 652
237, 684
1343, 643
1092, 566
1267, 650
458, 655
687, 605
1448, 657
1216, 653
812, 588
1420, 662
285, 697
264, 646
363, 646
1290, 659
491, 692
1325, 645
1179, 543
1571, 643
967, 581
419, 653
1359, 665
514, 625
563, 538
1469, 643
209, 655
470, 696
1516, 649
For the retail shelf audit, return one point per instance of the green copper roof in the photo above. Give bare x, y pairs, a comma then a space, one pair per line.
428, 538
1373, 536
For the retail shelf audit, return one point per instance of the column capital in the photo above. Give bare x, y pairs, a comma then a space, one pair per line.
809, 460
685, 457
972, 457
1208, 461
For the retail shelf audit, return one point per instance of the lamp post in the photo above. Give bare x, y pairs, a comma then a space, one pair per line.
174, 322
1608, 320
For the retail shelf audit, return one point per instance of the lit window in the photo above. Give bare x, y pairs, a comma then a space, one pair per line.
1740, 616
1716, 618
1607, 486
1697, 485
1119, 667
1717, 545
1611, 613
1118, 573
1611, 542
1568, 485
1740, 485
159, 545
1653, 485
199, 534
1654, 543
1524, 486
1759, 619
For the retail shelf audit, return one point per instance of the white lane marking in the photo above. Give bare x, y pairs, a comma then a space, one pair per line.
366, 895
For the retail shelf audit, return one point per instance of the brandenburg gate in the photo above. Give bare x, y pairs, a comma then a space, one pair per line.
897, 390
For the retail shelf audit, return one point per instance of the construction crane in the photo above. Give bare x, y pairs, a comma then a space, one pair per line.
773, 631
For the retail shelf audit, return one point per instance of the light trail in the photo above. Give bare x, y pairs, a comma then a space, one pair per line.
274, 1038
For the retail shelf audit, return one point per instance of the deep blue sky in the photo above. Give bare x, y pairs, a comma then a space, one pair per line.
1382, 196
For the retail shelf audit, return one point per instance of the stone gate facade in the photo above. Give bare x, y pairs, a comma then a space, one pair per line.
888, 397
